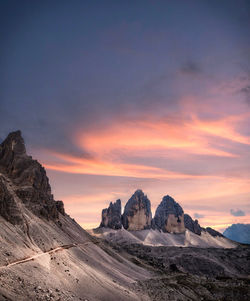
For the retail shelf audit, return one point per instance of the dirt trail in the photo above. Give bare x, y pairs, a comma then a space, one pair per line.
57, 249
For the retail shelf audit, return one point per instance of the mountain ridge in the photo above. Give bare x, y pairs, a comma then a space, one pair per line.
169, 218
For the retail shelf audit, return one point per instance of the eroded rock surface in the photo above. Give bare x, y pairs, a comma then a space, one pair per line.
29, 181
9, 208
169, 216
111, 216
192, 225
137, 213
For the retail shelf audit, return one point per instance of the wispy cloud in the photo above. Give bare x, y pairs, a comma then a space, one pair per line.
237, 212
197, 215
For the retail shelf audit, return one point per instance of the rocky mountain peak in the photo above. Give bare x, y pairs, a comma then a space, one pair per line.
169, 216
25, 180
15, 142
137, 212
111, 216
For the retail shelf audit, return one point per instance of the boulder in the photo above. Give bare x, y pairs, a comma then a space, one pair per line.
111, 216
137, 212
169, 216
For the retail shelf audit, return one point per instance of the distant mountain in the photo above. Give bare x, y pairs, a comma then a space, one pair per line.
169, 227
239, 233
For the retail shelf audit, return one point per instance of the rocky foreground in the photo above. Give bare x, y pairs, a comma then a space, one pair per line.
46, 255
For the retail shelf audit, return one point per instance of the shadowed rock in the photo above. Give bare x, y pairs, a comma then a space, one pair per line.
30, 183
169, 216
192, 225
137, 213
213, 232
111, 216
9, 208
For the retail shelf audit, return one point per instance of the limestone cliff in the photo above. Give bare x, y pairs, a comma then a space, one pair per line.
137, 213
169, 216
111, 216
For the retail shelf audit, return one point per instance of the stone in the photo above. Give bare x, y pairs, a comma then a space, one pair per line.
137, 212
192, 225
111, 216
169, 216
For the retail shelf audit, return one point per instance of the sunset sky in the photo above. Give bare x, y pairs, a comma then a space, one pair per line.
112, 96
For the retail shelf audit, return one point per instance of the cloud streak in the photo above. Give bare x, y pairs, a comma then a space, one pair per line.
237, 212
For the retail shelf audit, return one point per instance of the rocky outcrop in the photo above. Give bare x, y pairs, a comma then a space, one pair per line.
213, 232
137, 213
9, 208
111, 216
192, 225
60, 207
169, 216
30, 183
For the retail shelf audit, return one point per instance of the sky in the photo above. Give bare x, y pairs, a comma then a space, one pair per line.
114, 96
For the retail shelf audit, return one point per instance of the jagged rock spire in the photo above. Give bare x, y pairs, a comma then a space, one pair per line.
192, 225
169, 216
137, 213
111, 216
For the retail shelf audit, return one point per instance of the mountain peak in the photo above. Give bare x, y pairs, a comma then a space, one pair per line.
14, 143
169, 216
29, 179
137, 212
111, 216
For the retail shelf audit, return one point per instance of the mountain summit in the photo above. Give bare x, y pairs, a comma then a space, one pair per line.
29, 182
170, 226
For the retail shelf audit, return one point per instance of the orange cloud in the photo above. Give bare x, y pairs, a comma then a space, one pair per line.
224, 128
112, 147
118, 169
146, 136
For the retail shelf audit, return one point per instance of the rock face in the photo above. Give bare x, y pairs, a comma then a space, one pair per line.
213, 232
137, 213
9, 208
192, 225
29, 181
111, 216
169, 216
